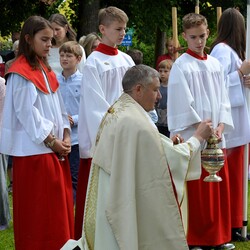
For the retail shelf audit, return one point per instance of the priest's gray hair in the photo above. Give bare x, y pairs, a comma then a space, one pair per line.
138, 74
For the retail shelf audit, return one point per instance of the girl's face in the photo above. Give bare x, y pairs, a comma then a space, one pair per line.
59, 33
42, 42
95, 44
113, 33
170, 47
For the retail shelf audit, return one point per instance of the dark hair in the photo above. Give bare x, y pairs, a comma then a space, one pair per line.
32, 25
136, 55
62, 21
232, 31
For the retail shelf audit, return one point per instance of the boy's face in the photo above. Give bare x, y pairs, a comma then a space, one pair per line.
196, 38
164, 74
69, 61
113, 34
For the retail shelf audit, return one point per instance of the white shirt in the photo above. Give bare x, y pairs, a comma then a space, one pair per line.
101, 87
231, 63
29, 116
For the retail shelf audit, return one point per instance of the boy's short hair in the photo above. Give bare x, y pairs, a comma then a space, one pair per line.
71, 47
110, 14
165, 64
193, 20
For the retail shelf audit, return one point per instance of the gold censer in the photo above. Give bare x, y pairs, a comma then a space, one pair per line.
212, 159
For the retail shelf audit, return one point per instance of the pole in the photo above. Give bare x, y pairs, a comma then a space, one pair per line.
218, 10
246, 148
197, 8
175, 31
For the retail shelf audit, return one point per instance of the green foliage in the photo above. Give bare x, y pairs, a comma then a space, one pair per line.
5, 43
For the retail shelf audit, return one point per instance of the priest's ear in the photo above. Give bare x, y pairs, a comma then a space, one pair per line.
139, 88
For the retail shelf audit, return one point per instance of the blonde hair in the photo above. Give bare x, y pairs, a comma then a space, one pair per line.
89, 41
110, 14
71, 47
192, 20
165, 64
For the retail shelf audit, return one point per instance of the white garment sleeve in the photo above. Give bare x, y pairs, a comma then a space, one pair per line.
181, 113
232, 80
184, 161
93, 106
24, 98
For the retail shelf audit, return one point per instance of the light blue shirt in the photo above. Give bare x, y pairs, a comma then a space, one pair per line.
70, 91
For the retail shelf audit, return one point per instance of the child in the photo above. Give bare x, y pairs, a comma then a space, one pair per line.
229, 48
70, 84
196, 91
101, 87
36, 131
161, 107
169, 54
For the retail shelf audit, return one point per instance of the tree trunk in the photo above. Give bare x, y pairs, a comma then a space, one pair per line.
159, 43
88, 17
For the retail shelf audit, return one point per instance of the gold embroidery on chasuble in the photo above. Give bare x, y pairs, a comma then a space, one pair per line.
91, 203
112, 113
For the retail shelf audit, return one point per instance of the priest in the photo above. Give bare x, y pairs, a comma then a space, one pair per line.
137, 179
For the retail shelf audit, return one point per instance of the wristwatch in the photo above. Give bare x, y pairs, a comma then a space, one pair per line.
51, 143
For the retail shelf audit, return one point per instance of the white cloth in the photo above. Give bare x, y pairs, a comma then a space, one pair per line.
241, 119
199, 84
70, 91
131, 202
101, 87
29, 116
2, 96
54, 60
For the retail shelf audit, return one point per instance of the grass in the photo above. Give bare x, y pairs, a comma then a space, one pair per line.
7, 240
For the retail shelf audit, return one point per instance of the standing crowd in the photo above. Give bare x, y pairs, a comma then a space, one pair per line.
105, 151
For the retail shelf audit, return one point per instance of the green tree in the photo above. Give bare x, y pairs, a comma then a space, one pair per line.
151, 20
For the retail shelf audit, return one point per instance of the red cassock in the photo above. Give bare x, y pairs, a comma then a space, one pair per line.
209, 221
46, 219
235, 157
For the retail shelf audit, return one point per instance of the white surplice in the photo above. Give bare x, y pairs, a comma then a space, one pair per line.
101, 87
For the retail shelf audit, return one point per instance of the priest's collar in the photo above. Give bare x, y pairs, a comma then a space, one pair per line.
105, 49
191, 53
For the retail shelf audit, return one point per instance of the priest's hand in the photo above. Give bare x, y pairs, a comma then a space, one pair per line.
177, 139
